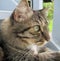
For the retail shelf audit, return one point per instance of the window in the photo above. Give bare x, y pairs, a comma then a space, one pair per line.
7, 8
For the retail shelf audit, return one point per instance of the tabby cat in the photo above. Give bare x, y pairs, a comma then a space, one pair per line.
24, 35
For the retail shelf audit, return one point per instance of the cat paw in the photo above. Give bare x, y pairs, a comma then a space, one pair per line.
49, 56
56, 56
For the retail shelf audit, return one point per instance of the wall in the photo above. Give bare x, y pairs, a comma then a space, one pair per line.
6, 7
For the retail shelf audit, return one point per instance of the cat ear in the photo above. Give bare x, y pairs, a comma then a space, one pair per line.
23, 3
44, 11
22, 11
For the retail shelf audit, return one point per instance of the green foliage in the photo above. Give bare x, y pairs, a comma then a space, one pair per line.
50, 13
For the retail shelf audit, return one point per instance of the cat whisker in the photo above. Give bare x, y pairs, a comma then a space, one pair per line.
28, 57
32, 57
16, 58
25, 55
12, 55
19, 56
17, 52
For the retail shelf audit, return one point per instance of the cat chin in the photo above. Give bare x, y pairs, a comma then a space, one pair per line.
34, 49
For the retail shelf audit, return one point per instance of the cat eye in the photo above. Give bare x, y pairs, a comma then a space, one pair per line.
36, 28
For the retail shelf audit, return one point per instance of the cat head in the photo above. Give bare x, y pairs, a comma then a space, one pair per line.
29, 26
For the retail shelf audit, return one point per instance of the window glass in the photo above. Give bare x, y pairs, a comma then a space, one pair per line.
50, 6
6, 7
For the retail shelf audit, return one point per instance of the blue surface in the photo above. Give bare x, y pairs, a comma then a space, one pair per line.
7, 5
